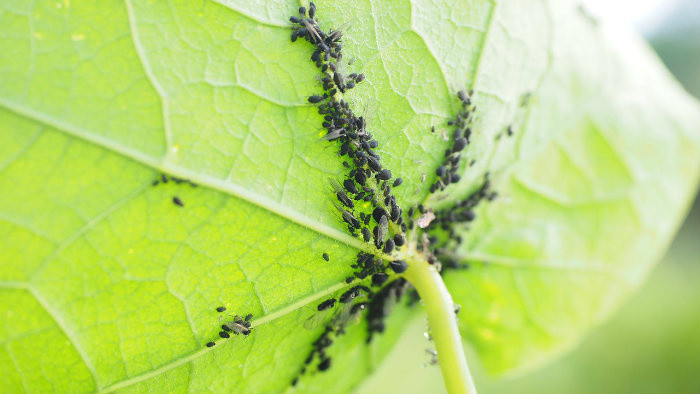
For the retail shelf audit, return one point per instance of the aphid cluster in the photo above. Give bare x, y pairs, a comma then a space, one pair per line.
163, 178
463, 211
235, 325
367, 181
382, 304
447, 173
363, 198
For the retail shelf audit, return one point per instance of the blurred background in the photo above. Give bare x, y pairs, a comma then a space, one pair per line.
652, 345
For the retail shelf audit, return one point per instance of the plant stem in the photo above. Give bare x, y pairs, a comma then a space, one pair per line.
443, 326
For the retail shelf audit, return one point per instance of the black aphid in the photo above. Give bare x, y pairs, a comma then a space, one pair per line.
349, 185
316, 98
384, 175
399, 239
324, 364
343, 198
220, 309
366, 235
441, 171
388, 246
379, 278
349, 295
398, 266
178, 202
460, 143
210, 344
397, 182
326, 304
224, 334
325, 256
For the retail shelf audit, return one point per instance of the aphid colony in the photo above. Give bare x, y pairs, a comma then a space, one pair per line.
165, 178
364, 199
235, 325
447, 172
367, 180
462, 212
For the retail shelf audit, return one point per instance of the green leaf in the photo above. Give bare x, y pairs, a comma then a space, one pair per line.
106, 285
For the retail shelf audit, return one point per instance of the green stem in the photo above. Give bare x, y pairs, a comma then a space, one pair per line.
443, 326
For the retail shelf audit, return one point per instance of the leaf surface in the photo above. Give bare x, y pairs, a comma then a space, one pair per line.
107, 285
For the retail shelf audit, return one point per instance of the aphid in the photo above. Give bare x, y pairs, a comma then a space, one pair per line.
378, 213
248, 317
302, 11
295, 19
347, 216
382, 227
339, 80
220, 309
440, 171
398, 266
459, 144
397, 182
350, 186
210, 344
349, 295
316, 98
343, 198
324, 364
349, 279
395, 212
379, 278
388, 246
384, 175
326, 304
366, 234
224, 334
325, 256
312, 9
360, 178
178, 202
464, 97
373, 163
399, 239
432, 129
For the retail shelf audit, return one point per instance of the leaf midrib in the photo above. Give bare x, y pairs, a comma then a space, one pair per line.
211, 182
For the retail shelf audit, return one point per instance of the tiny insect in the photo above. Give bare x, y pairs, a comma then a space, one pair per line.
316, 98
224, 334
440, 171
326, 304
397, 182
324, 364
210, 344
398, 266
221, 309
388, 246
178, 202
459, 144
379, 278
325, 256
366, 235
350, 186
